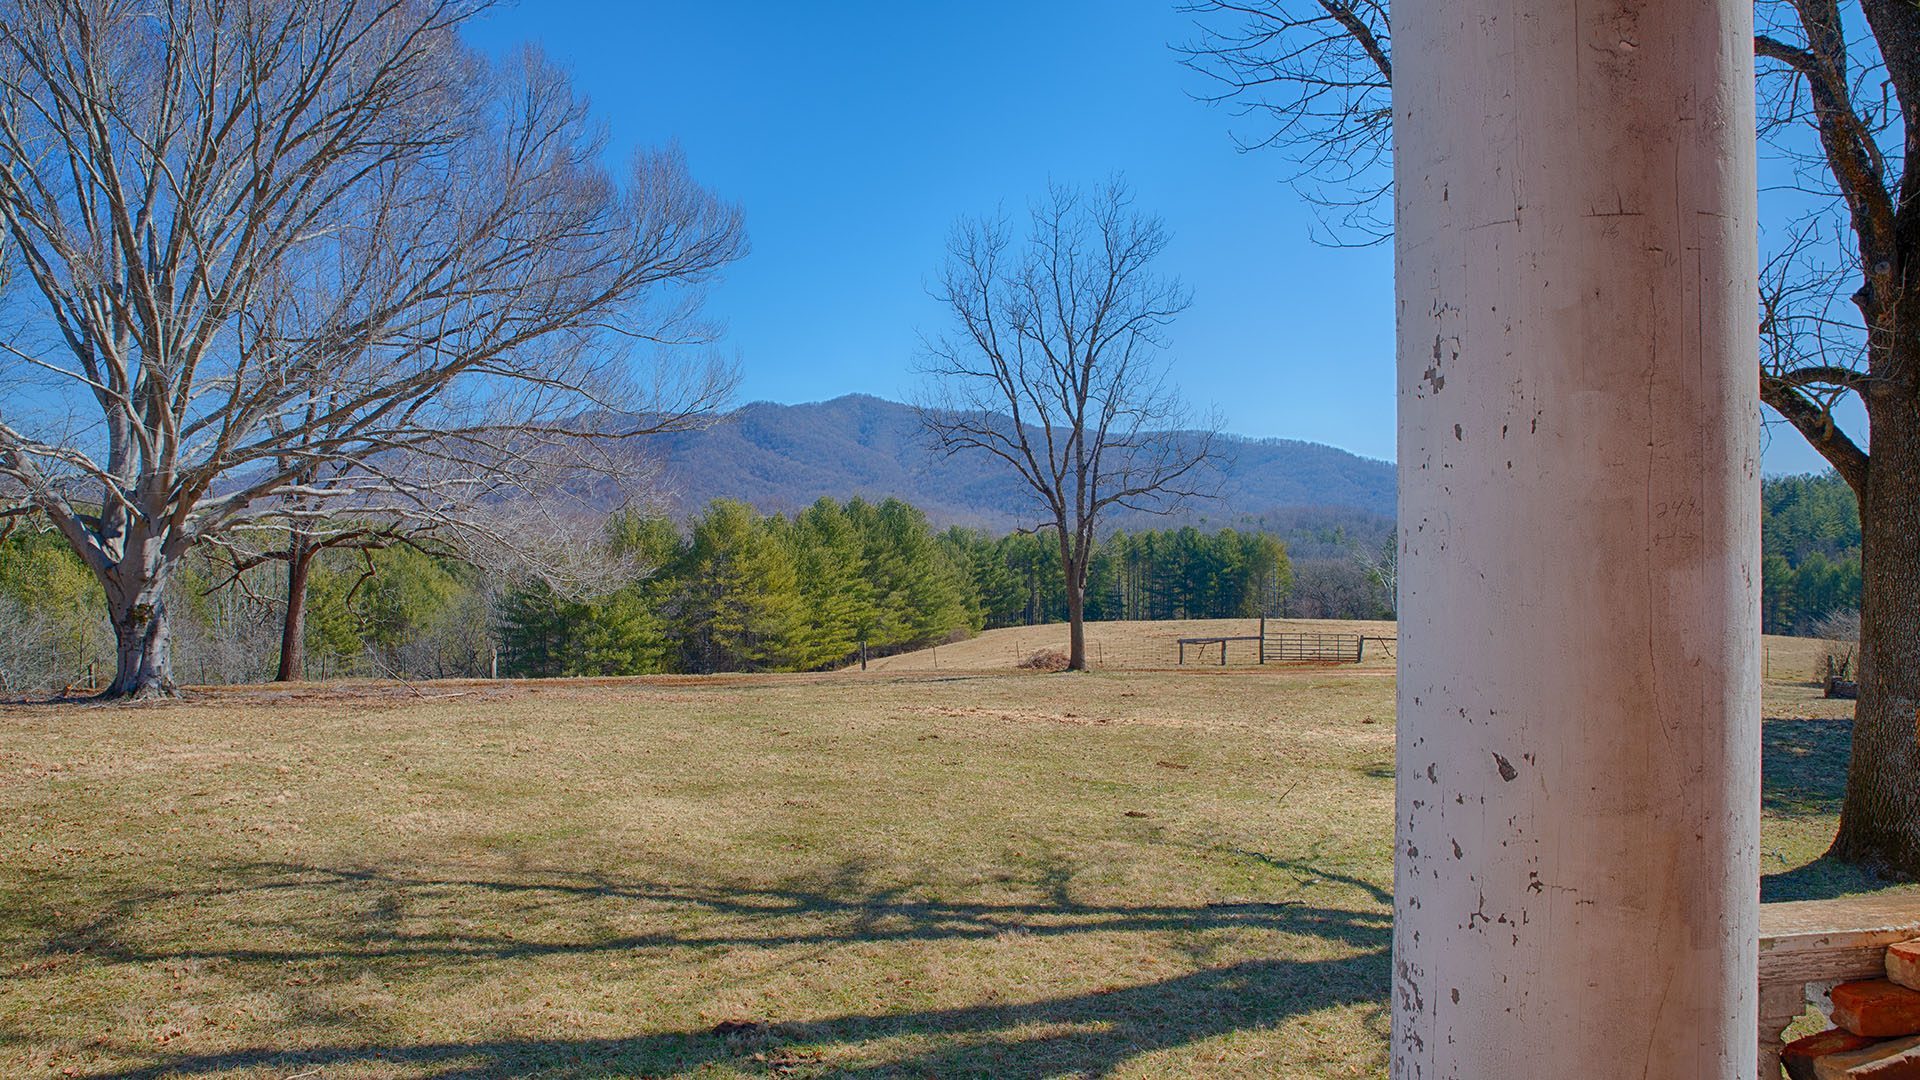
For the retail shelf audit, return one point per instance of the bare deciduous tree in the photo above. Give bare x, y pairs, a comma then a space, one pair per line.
1317, 76
1055, 369
284, 263
1858, 94
1839, 88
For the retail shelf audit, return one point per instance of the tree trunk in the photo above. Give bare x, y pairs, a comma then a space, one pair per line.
139, 614
1033, 592
1076, 627
293, 631
1880, 819
1075, 573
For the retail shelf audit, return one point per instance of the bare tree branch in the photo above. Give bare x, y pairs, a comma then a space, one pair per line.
1317, 77
1840, 319
1055, 369
308, 260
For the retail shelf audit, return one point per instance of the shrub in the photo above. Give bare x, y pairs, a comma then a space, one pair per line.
1045, 660
1840, 629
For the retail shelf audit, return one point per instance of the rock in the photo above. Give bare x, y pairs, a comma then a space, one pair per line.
1877, 1008
1799, 1055
1903, 964
1895, 1060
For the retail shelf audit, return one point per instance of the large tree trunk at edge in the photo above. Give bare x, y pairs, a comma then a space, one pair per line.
293, 630
1880, 819
141, 645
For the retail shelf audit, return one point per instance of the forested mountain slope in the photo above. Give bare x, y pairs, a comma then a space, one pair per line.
780, 458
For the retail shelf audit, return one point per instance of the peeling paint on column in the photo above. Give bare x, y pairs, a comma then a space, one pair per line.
1577, 764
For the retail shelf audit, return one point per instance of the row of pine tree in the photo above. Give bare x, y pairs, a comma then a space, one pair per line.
743, 592
1810, 540
735, 590
728, 590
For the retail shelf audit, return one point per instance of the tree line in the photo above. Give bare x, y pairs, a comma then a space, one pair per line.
1810, 539
729, 589
742, 592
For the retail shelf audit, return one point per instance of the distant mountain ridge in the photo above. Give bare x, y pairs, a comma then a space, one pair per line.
781, 458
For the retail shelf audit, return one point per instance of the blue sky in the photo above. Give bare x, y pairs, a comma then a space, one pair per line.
854, 134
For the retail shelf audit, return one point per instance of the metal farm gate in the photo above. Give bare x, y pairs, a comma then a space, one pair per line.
1324, 648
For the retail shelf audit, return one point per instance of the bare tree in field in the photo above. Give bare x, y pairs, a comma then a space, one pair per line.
278, 264
1054, 368
1839, 93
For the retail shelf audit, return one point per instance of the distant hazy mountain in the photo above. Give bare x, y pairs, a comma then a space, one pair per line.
780, 458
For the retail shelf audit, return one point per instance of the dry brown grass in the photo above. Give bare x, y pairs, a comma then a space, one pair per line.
1116, 646
941, 874
1789, 660
1010, 876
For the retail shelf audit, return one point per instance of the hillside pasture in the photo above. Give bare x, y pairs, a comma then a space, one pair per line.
1156, 874
930, 875
1135, 645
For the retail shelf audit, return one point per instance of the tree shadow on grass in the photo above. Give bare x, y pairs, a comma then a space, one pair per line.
1804, 766
1087, 1035
1822, 879
359, 918
1804, 763
361, 915
1804, 774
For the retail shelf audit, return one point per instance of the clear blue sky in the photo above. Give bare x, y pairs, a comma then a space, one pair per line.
854, 134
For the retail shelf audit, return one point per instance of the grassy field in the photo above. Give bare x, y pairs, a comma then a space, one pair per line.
1136, 645
910, 873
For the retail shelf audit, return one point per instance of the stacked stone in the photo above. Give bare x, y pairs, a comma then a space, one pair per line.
1878, 1037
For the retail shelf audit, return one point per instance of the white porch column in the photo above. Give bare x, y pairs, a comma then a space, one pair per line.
1579, 753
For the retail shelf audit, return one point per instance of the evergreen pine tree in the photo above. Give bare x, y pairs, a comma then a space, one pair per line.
739, 598
836, 595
